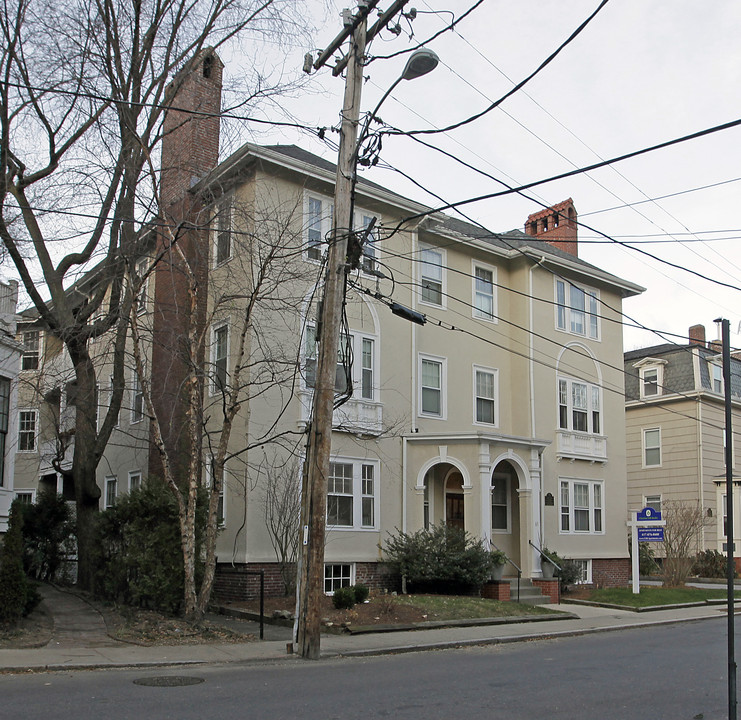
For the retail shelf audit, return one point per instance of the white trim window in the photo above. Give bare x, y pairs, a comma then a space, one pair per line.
716, 378
352, 494
223, 239
585, 571
368, 262
140, 301
432, 276
338, 575
27, 429
31, 340
318, 213
484, 295
577, 310
652, 447
432, 384
137, 398
219, 358
25, 497
485, 395
653, 502
356, 363
649, 381
579, 406
111, 484
581, 507
135, 480
500, 505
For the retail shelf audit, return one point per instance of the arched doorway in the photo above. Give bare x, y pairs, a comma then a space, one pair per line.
504, 515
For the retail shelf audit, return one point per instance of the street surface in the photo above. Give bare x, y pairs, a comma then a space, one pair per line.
674, 672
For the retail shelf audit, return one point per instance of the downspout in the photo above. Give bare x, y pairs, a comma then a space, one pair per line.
701, 464
412, 394
404, 484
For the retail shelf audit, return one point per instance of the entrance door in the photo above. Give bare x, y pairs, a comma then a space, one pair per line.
454, 510
454, 514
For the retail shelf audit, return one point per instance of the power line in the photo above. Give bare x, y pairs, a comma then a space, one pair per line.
517, 87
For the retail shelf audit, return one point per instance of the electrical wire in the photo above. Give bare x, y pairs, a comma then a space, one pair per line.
517, 87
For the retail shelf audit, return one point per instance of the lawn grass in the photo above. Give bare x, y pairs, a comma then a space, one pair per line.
455, 607
654, 596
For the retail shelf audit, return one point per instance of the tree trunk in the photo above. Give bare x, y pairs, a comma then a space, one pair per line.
84, 464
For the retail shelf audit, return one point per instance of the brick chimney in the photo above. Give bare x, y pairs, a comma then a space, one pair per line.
190, 146
556, 225
697, 335
190, 150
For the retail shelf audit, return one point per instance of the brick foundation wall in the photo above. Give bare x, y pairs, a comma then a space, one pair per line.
496, 590
611, 572
234, 584
550, 588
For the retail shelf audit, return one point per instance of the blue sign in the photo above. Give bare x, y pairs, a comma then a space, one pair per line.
650, 534
649, 513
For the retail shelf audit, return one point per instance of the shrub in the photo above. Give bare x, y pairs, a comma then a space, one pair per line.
47, 533
13, 583
362, 592
141, 560
344, 598
647, 564
567, 571
441, 559
710, 564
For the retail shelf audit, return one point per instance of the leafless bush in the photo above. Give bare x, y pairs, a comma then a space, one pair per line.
682, 535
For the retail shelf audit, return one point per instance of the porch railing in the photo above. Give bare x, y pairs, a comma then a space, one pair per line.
514, 565
543, 555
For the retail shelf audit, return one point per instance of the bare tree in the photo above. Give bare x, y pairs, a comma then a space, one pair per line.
682, 539
282, 504
83, 92
266, 282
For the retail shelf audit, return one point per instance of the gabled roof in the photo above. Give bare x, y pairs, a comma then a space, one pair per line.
510, 243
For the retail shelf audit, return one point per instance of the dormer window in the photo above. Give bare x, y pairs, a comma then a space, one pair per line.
717, 375
650, 381
651, 377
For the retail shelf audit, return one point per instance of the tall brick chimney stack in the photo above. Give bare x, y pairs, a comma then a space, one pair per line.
697, 335
190, 150
190, 146
556, 225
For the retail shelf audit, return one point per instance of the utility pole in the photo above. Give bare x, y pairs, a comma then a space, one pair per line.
316, 469
730, 567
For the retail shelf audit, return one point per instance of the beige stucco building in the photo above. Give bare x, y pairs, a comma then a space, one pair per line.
675, 420
481, 372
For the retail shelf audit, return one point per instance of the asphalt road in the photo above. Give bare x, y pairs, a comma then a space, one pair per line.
672, 672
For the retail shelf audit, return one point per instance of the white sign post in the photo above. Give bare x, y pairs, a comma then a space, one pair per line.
644, 519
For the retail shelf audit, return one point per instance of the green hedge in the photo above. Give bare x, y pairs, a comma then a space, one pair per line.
141, 560
442, 559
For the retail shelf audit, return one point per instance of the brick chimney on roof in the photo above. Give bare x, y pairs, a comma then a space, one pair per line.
556, 225
697, 335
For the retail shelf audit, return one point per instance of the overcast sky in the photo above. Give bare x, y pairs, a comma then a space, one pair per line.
641, 73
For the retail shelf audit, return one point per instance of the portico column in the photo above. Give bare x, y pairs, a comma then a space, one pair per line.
485, 490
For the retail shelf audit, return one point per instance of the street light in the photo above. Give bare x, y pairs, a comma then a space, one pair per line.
316, 469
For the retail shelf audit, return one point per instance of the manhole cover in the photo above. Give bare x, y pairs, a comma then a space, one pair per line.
168, 681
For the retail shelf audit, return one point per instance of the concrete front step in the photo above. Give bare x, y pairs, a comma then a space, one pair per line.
529, 593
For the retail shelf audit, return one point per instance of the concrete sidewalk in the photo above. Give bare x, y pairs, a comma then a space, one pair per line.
80, 640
